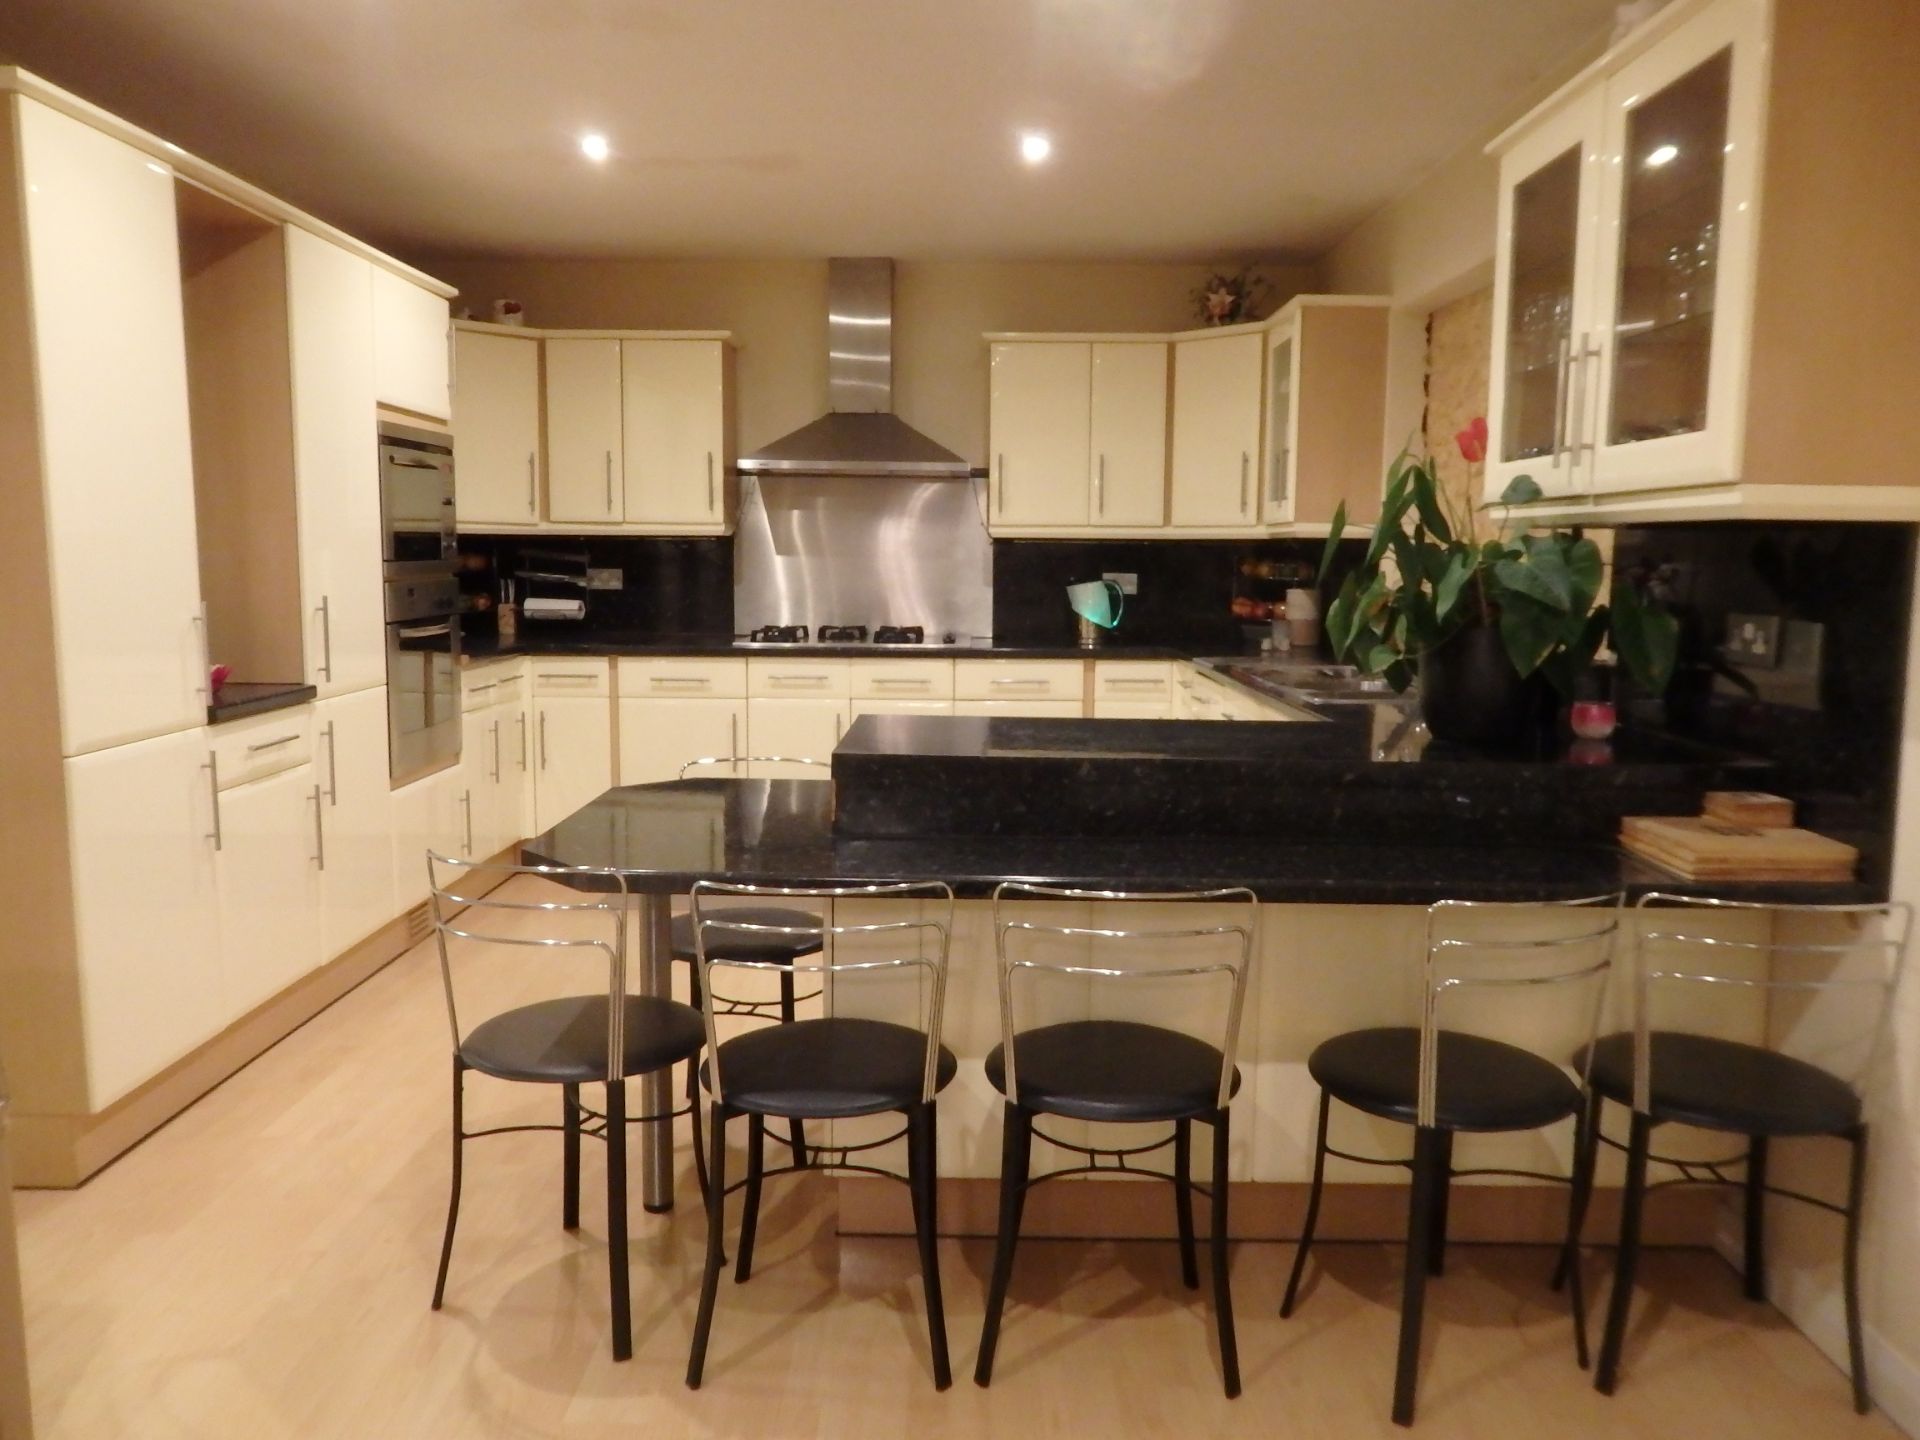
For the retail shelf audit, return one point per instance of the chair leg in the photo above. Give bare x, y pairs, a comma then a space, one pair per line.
693, 1109
570, 1157
750, 1210
796, 1131
716, 1256
453, 1197
1222, 1293
1755, 1265
923, 1148
1632, 1200
1428, 1146
1016, 1147
1442, 1188
1586, 1153
1313, 1210
617, 1258
1183, 1201
1850, 1268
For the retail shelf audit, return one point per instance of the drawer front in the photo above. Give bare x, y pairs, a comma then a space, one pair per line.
511, 689
482, 685
902, 679
572, 676
1053, 680
1132, 680
797, 679
252, 749
668, 677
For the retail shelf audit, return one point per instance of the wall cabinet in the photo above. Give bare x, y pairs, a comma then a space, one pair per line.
356, 820
411, 346
1129, 434
1326, 403
1216, 431
109, 370
584, 449
676, 428
496, 427
330, 330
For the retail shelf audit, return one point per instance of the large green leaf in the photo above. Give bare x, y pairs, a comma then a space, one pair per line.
1334, 532
1646, 638
1446, 593
1427, 501
1521, 490
1586, 569
1529, 631
1582, 642
1542, 576
1340, 614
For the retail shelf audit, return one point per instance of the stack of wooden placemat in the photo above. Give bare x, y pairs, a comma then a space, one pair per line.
1743, 835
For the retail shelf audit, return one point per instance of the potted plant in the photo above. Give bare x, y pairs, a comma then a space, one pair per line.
1477, 616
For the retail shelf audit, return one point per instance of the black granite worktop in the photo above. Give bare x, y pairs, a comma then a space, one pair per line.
237, 699
543, 640
665, 837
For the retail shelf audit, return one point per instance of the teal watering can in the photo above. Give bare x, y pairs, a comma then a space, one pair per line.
1098, 604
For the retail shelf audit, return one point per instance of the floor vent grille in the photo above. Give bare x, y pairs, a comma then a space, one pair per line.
419, 924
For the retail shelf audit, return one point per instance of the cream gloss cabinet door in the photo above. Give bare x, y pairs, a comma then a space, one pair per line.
477, 786
427, 815
794, 730
268, 870
496, 428
1216, 430
356, 820
336, 463
140, 832
1038, 417
573, 755
673, 396
659, 737
109, 360
584, 444
1129, 434
410, 350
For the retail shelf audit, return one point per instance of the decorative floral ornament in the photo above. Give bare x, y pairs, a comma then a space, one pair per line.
1228, 299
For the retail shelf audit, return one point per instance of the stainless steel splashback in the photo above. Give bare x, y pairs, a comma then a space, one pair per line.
844, 551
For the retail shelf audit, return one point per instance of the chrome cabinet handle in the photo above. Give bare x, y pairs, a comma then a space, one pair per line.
326, 638
839, 727
466, 800
1000, 495
1100, 486
495, 777
568, 675
319, 832
1115, 682
205, 688
709, 482
533, 483
543, 739
609, 482
1243, 482
333, 765
1563, 367
1579, 441
899, 680
272, 744
212, 767
800, 679
700, 681
1017, 682
522, 718
733, 739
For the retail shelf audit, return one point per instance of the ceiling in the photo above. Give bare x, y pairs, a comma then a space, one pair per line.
1183, 129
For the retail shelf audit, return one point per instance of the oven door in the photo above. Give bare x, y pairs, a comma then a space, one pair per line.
423, 696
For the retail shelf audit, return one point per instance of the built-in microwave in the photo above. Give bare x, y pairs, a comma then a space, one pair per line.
416, 499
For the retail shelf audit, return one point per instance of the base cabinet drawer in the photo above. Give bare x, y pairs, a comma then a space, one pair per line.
674, 678
1056, 680
770, 679
573, 677
902, 679
262, 745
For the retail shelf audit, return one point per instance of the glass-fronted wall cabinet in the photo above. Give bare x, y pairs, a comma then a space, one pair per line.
1656, 326
1326, 387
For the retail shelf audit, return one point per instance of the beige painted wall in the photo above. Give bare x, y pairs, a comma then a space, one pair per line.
777, 312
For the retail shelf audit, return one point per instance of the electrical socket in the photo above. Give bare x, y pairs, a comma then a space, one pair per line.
1127, 580
608, 579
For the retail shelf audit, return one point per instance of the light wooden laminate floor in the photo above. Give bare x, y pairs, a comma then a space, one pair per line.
261, 1268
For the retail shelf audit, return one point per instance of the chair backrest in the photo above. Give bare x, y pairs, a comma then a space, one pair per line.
912, 945
732, 761
1160, 959
1820, 978
1538, 970
472, 902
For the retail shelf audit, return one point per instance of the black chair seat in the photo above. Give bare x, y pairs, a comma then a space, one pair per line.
1727, 1085
749, 944
1112, 1070
826, 1069
565, 1041
1482, 1084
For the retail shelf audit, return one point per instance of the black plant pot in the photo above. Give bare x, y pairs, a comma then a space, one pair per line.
1470, 694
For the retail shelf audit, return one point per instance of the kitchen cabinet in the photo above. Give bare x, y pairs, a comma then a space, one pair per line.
675, 429
411, 346
1133, 690
584, 447
1216, 430
479, 783
427, 816
1039, 413
572, 737
493, 760
496, 427
108, 370
146, 913
794, 729
336, 456
356, 820
1696, 311
268, 872
1129, 434
1326, 405
674, 709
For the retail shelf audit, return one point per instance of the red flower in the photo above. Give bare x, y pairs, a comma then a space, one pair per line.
1473, 441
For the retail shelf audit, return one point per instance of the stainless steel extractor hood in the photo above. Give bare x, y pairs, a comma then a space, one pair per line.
859, 435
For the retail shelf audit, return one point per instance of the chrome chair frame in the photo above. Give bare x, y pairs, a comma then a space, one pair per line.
1431, 1162
1020, 1123
577, 1119
919, 1129
1754, 1182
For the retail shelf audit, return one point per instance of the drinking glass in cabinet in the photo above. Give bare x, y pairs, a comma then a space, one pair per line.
1546, 215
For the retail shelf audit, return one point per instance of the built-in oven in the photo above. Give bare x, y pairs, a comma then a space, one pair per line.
423, 674
416, 498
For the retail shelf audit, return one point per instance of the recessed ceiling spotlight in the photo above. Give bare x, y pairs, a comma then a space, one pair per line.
594, 146
1662, 154
1034, 146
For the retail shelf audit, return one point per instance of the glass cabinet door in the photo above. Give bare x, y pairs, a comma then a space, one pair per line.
1281, 349
1541, 292
1683, 135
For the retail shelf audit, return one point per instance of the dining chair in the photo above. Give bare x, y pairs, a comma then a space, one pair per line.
482, 914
